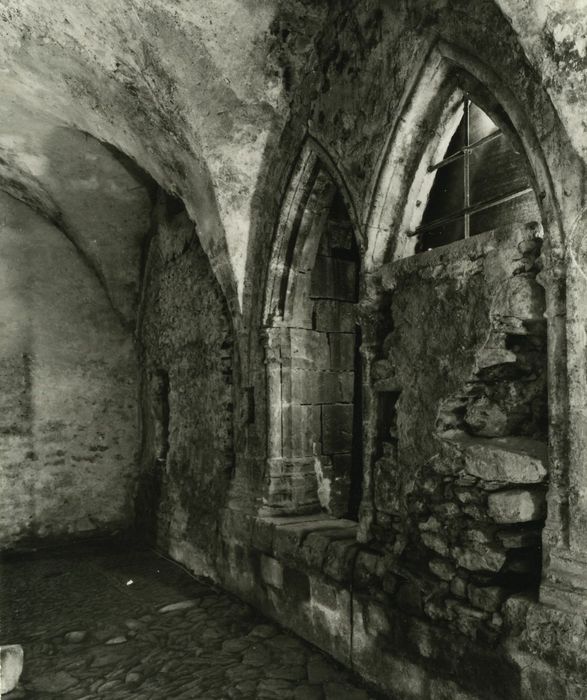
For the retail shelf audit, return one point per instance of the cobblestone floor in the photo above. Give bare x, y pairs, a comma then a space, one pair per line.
128, 624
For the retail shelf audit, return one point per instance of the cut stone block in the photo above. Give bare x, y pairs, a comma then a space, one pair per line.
301, 426
291, 492
517, 505
310, 386
333, 278
337, 428
288, 538
271, 571
338, 316
340, 486
309, 349
513, 460
11, 662
340, 557
314, 549
342, 350
336, 236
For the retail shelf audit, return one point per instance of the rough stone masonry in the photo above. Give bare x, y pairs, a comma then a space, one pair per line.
295, 293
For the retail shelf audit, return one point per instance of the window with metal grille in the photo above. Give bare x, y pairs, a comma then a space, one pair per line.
481, 183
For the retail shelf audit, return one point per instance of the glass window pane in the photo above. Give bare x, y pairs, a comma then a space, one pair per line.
446, 195
442, 235
480, 125
520, 210
495, 170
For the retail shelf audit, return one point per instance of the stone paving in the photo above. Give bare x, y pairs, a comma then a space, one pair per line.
120, 623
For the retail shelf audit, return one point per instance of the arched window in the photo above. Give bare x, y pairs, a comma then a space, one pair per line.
313, 360
480, 183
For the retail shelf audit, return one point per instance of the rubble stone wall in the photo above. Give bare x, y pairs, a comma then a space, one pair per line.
187, 455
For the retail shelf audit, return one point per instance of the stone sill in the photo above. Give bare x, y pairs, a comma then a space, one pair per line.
507, 460
472, 248
312, 543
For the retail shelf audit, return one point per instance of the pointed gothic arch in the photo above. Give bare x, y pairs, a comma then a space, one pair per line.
312, 338
403, 182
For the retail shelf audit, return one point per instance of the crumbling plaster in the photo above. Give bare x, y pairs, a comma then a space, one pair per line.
68, 371
156, 80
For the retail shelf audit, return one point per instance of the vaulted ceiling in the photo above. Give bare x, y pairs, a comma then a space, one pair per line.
195, 94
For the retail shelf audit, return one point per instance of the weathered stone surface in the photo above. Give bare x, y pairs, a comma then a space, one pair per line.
271, 571
516, 538
512, 460
443, 568
175, 607
309, 349
489, 598
441, 689
458, 587
67, 366
301, 431
312, 387
11, 663
479, 557
335, 316
340, 558
333, 278
288, 538
76, 637
320, 670
486, 418
342, 350
478, 535
432, 524
520, 299
207, 122
54, 682
435, 542
335, 691
337, 426
517, 505
188, 409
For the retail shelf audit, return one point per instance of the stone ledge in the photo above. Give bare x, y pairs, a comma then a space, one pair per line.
447, 261
315, 543
514, 460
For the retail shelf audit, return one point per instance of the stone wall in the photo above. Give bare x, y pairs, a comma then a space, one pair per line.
68, 427
187, 455
425, 605
459, 487
315, 404
436, 593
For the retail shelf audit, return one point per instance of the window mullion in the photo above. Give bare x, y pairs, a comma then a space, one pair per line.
466, 169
